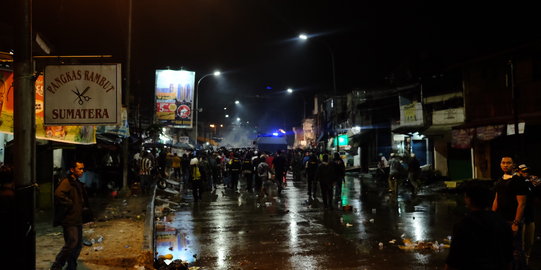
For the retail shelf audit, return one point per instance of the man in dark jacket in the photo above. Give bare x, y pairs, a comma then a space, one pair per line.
325, 177
311, 168
340, 174
481, 240
71, 201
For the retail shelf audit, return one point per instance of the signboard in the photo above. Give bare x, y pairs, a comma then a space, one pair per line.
411, 112
83, 95
174, 97
67, 134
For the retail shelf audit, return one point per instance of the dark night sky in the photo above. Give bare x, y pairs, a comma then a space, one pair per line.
253, 41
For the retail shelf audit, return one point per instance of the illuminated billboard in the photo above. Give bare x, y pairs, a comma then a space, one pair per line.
174, 97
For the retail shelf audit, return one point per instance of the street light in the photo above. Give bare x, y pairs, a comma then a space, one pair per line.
290, 91
215, 73
237, 102
304, 37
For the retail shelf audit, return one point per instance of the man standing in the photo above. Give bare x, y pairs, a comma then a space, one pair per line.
325, 177
482, 239
534, 186
510, 201
71, 201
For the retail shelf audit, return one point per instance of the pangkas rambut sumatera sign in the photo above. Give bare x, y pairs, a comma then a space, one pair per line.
82, 95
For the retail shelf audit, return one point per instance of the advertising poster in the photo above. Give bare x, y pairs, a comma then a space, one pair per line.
82, 95
67, 134
174, 97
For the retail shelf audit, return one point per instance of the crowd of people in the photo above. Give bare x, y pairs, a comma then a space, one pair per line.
258, 171
398, 170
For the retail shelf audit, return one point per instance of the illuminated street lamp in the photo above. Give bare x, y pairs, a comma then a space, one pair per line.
305, 37
290, 91
237, 102
215, 74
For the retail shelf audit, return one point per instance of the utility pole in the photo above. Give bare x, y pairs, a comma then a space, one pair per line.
126, 142
24, 142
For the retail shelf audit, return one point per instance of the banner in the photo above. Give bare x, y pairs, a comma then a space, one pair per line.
174, 97
83, 95
411, 112
67, 134
122, 130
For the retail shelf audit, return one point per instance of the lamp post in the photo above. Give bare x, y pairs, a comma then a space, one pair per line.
304, 37
290, 91
216, 74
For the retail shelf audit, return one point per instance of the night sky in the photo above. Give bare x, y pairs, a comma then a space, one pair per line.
254, 43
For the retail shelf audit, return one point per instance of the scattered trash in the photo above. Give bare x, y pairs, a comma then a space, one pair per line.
97, 248
403, 236
372, 220
349, 224
373, 210
422, 245
166, 257
87, 243
392, 241
100, 239
347, 208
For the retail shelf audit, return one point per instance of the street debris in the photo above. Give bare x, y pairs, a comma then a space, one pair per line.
422, 245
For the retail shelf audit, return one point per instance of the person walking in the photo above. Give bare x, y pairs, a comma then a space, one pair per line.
71, 212
248, 171
234, 171
394, 174
176, 163
195, 179
145, 172
509, 202
340, 174
279, 165
311, 167
263, 171
325, 176
414, 170
482, 239
534, 187
383, 169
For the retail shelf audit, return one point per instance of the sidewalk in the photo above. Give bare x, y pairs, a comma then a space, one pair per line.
119, 234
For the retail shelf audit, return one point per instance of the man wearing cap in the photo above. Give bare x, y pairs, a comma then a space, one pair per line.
534, 186
509, 202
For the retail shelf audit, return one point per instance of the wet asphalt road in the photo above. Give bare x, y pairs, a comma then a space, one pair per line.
237, 230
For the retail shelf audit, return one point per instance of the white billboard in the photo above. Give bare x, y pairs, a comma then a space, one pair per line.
174, 97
